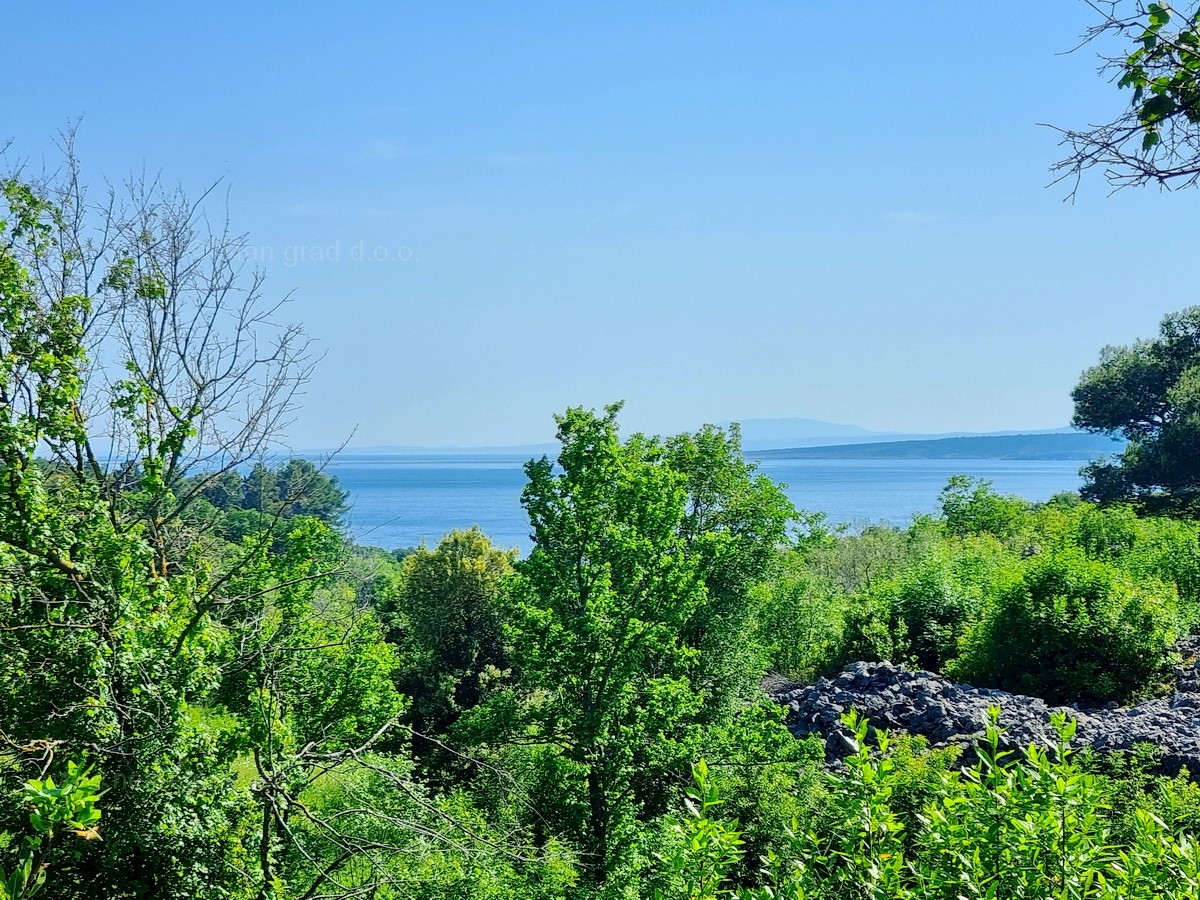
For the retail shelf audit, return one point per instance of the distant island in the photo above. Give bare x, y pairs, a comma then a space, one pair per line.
783, 437
1063, 445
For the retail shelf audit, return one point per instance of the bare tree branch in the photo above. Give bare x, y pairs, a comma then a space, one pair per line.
1156, 140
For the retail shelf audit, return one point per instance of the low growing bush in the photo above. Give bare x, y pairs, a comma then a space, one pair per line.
1073, 629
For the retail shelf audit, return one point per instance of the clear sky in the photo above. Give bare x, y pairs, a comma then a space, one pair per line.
711, 210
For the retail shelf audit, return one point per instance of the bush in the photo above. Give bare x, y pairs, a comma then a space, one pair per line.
935, 600
1107, 532
855, 562
1028, 824
1073, 629
970, 506
801, 624
1169, 550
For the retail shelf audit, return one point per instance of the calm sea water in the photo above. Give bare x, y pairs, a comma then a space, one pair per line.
402, 500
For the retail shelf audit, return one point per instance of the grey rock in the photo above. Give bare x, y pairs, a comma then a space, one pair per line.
893, 698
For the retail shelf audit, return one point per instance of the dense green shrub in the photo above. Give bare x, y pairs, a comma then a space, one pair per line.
1138, 787
934, 600
970, 506
1107, 533
1158, 547
769, 779
1073, 629
801, 624
872, 631
1169, 550
1032, 824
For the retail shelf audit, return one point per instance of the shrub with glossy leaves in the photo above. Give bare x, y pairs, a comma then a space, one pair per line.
55, 809
1017, 824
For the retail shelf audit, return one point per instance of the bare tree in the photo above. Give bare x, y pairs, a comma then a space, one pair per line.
141, 360
190, 368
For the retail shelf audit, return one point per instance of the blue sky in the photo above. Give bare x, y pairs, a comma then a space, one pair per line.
711, 210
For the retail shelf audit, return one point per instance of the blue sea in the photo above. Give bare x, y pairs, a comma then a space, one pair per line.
404, 500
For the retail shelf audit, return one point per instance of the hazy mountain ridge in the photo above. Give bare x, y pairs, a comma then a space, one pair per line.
1029, 446
757, 435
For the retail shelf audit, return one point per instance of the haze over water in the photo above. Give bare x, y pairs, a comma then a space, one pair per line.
402, 500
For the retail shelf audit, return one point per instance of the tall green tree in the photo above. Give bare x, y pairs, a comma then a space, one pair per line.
607, 592
95, 598
734, 523
1148, 392
627, 609
453, 643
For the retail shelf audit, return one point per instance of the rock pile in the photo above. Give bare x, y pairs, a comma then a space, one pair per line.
896, 699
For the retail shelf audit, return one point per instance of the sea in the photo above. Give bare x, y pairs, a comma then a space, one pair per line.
405, 500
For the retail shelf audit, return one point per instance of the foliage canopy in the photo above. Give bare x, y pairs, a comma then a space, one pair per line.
1148, 392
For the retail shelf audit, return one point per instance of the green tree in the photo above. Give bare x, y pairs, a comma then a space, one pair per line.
96, 595
306, 489
645, 555
605, 596
296, 487
226, 491
453, 644
310, 684
970, 506
735, 523
1149, 392
260, 489
232, 694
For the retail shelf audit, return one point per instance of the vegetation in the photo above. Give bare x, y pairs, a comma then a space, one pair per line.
210, 692
1073, 629
1065, 600
1150, 393
53, 810
1034, 824
1156, 139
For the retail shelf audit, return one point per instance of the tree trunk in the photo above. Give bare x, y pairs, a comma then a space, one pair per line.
598, 802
